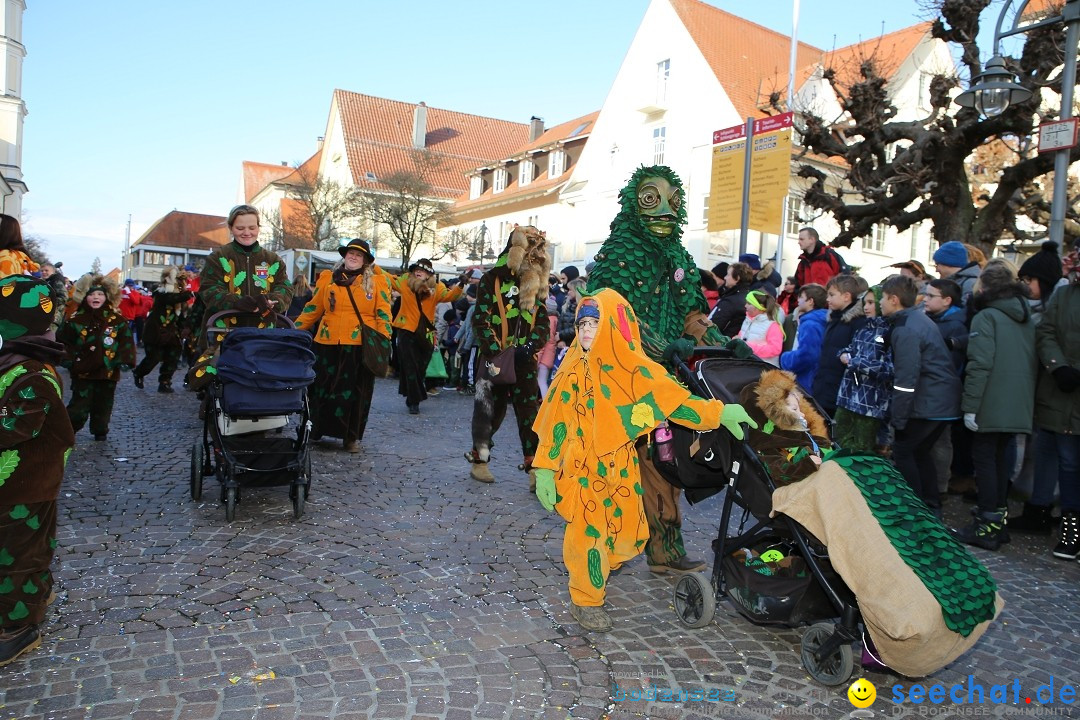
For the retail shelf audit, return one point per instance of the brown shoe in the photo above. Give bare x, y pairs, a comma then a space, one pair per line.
591, 618
481, 472
351, 446
682, 565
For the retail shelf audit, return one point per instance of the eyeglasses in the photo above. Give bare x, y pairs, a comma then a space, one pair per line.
931, 295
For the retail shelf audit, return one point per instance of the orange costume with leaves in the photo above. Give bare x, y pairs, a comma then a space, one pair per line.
602, 402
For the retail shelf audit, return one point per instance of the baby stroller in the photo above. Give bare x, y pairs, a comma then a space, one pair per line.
792, 586
259, 382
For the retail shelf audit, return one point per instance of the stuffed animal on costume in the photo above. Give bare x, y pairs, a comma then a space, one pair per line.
643, 259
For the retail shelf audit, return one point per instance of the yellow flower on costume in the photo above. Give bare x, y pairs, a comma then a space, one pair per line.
642, 416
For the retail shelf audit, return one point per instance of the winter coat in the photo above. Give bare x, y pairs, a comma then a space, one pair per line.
820, 266
1002, 366
966, 277
867, 385
98, 342
925, 383
839, 331
164, 324
566, 327
954, 331
764, 336
409, 312
730, 310
1057, 341
333, 312
233, 271
466, 338
499, 322
803, 358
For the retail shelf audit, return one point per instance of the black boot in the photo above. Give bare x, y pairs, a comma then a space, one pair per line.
1068, 546
1035, 519
165, 387
985, 531
138, 380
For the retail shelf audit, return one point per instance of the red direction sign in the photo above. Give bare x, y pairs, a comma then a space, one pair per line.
1060, 135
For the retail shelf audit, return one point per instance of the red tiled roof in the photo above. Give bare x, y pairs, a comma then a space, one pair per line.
258, 175
378, 139
583, 125
306, 173
187, 230
740, 53
888, 51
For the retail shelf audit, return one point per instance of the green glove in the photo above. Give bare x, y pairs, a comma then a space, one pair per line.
737, 346
545, 487
731, 418
682, 347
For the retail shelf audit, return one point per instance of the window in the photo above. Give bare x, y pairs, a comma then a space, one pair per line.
914, 249
659, 137
162, 259
556, 163
875, 242
795, 221
476, 186
663, 72
526, 172
500, 180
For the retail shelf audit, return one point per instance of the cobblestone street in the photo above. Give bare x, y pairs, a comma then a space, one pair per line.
409, 590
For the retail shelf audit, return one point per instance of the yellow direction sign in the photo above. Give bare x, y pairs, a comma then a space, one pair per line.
770, 171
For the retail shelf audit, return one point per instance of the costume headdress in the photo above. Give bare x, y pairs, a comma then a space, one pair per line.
90, 282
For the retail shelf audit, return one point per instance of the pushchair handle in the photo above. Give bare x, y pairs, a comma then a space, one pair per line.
281, 321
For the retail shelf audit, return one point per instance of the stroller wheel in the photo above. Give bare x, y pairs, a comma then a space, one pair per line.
197, 461
835, 669
695, 600
299, 496
230, 504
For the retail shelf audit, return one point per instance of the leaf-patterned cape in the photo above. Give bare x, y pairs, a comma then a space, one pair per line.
635, 393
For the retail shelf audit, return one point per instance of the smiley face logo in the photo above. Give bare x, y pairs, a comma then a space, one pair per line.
862, 693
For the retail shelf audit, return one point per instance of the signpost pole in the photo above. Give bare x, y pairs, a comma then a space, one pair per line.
744, 223
1061, 159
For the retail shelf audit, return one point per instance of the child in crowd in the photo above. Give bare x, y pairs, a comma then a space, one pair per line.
926, 389
942, 302
761, 330
546, 360
467, 345
791, 436
607, 397
842, 295
863, 400
164, 327
98, 341
811, 318
449, 343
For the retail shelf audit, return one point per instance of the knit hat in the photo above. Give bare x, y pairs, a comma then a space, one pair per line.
752, 260
571, 272
588, 309
1044, 265
26, 308
952, 254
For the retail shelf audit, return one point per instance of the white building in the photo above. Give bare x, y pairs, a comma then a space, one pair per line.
12, 108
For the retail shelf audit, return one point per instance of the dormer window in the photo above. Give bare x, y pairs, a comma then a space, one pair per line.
556, 163
476, 187
526, 172
500, 180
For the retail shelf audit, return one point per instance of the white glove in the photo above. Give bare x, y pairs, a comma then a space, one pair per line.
969, 422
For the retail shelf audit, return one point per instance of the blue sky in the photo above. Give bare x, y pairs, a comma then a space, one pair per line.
141, 108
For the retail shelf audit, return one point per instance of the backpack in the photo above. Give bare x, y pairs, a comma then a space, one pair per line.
845, 269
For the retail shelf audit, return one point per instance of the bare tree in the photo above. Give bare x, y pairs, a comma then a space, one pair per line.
95, 267
315, 211
35, 248
457, 241
405, 202
904, 172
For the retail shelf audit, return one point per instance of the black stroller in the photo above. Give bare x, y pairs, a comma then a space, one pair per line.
802, 588
259, 383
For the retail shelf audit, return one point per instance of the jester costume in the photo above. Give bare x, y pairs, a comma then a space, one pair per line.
602, 403
249, 279
644, 260
510, 315
162, 333
98, 343
35, 439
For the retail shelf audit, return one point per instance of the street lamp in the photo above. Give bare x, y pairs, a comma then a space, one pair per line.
995, 89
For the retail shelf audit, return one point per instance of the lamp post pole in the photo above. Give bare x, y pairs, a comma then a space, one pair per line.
993, 90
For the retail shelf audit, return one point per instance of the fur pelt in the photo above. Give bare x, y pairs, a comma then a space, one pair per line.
421, 286
173, 279
89, 280
528, 260
772, 391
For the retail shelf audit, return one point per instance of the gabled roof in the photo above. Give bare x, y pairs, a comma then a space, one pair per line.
378, 136
306, 173
889, 52
187, 230
740, 53
571, 130
258, 175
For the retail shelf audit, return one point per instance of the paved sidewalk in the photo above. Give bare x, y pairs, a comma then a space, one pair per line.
409, 590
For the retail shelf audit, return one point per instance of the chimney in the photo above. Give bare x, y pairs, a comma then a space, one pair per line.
536, 128
419, 126
318, 143
284, 163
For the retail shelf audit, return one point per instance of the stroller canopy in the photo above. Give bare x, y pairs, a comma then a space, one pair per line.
267, 359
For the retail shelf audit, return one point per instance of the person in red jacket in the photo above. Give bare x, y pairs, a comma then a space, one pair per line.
818, 263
